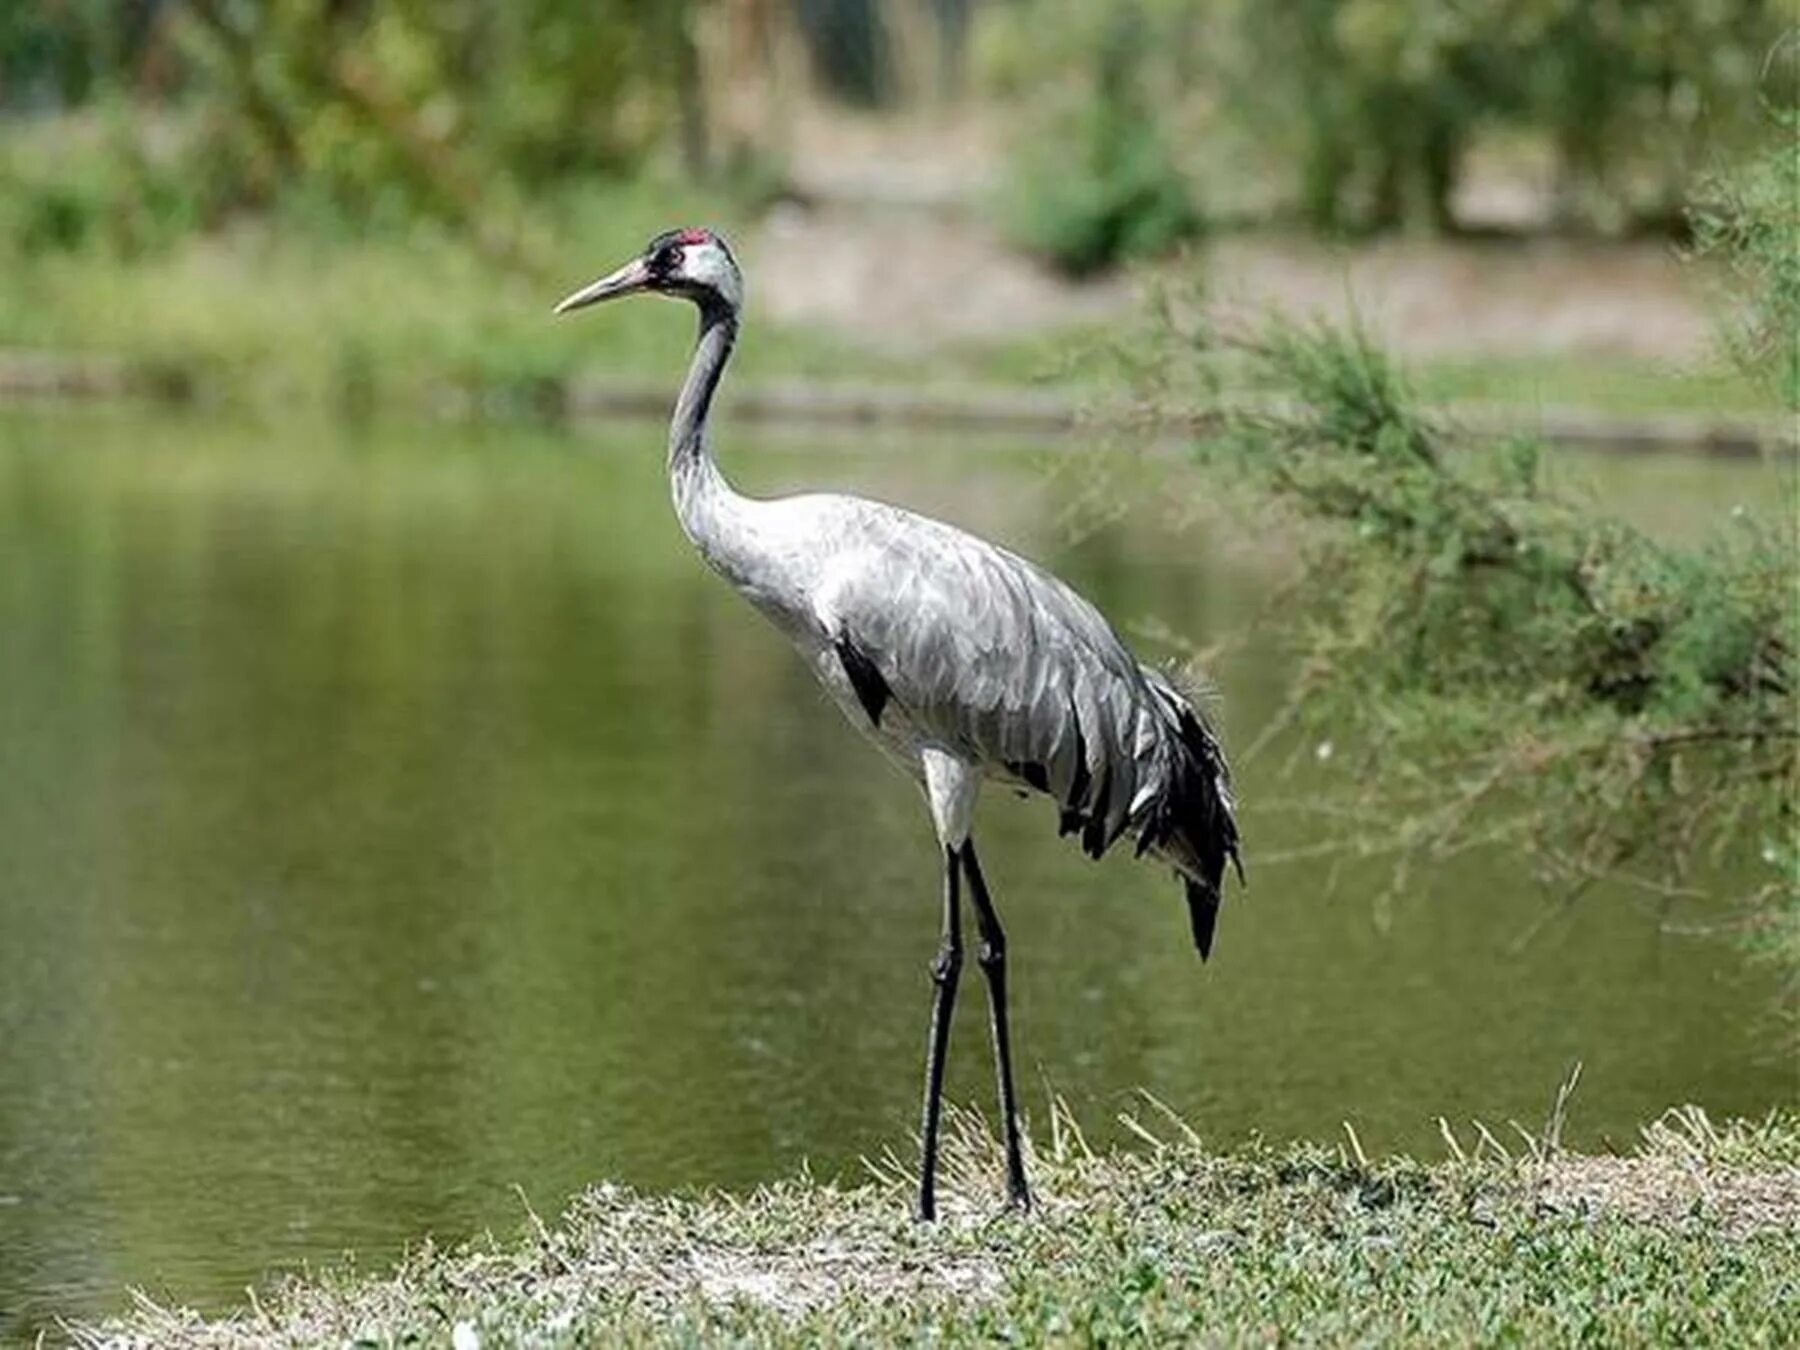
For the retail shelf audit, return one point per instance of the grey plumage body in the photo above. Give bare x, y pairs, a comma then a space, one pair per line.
962, 661
989, 662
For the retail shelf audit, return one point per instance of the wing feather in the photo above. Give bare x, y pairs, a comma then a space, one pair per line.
1001, 661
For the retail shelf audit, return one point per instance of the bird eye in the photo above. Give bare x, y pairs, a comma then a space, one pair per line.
667, 259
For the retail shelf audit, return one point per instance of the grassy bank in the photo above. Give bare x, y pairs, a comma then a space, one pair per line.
1689, 1239
271, 311
287, 308
1623, 385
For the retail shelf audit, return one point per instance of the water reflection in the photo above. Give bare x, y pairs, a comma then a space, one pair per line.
393, 817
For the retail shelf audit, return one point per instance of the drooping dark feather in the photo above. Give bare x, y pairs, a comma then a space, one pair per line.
871, 689
1094, 838
1203, 914
1078, 785
1190, 821
1031, 773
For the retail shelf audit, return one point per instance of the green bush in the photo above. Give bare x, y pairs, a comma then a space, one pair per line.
1750, 221
1510, 665
91, 183
1097, 185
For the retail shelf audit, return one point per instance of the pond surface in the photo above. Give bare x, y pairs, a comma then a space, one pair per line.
393, 819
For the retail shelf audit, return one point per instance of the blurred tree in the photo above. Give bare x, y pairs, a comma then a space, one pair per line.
952, 18
682, 53
1643, 89
53, 54
442, 106
1383, 97
380, 107
1376, 104
847, 43
1096, 184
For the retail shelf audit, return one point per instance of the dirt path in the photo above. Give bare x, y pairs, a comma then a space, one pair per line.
895, 251
911, 282
1470, 298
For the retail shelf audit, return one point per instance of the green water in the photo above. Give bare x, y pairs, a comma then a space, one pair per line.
393, 819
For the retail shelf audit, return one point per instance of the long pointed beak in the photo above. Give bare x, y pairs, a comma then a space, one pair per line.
633, 276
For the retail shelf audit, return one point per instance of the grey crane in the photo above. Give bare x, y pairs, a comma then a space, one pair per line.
961, 660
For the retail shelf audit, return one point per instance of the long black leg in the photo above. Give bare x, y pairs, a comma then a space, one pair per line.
944, 971
992, 957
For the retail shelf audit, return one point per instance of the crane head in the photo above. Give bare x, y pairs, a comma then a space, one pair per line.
691, 264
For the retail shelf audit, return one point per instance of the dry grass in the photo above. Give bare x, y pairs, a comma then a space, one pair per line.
1695, 1237
1682, 1173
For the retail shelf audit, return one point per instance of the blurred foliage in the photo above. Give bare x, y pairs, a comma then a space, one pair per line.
1358, 114
1098, 186
1750, 220
50, 54
1375, 96
1371, 109
849, 47
1516, 668
1384, 97
352, 110
101, 184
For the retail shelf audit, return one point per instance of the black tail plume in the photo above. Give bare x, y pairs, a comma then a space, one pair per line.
1203, 913
1198, 825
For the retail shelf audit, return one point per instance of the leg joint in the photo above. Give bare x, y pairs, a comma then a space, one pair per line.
946, 964
992, 954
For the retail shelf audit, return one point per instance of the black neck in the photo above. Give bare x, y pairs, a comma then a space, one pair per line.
718, 335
